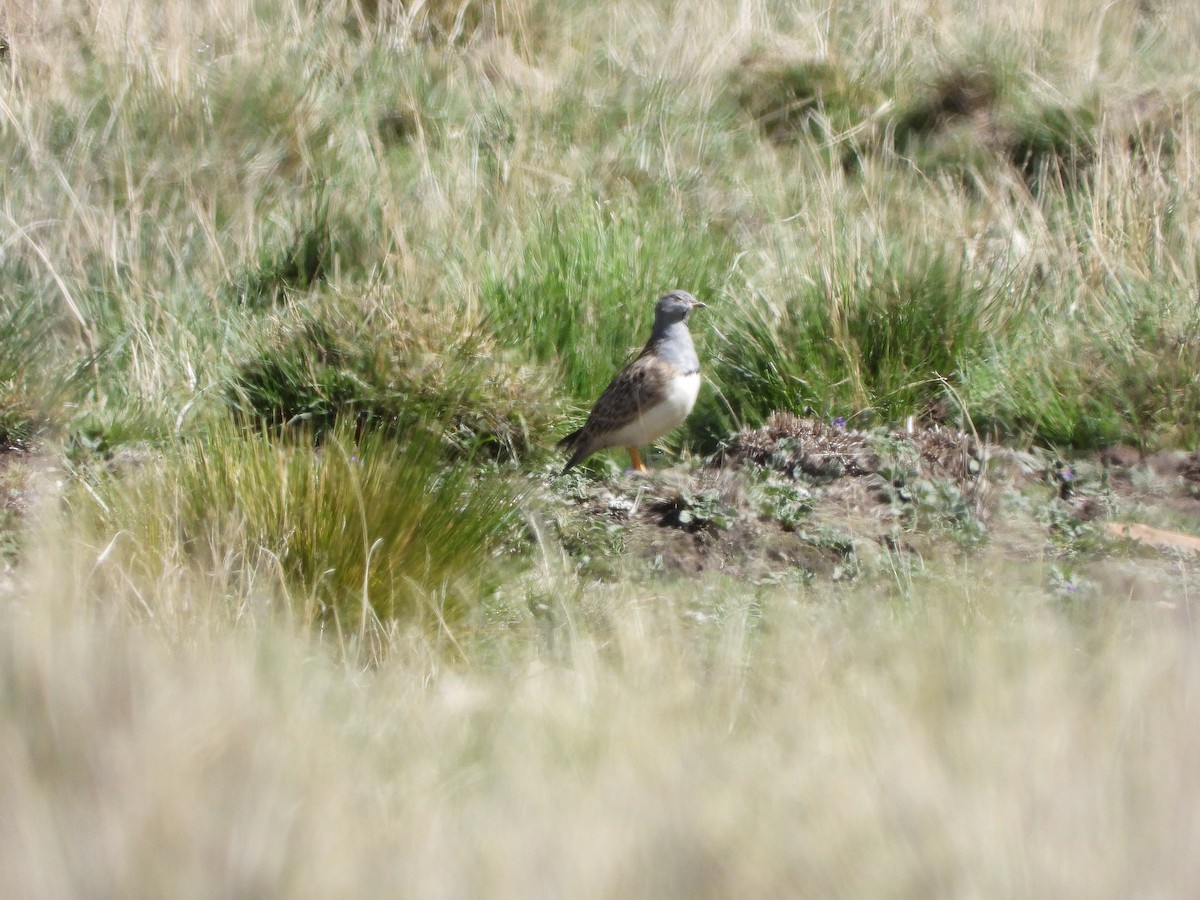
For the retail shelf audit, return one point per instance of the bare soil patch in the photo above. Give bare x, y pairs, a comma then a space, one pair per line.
803, 498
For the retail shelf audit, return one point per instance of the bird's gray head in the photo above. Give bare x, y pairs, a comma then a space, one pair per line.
674, 307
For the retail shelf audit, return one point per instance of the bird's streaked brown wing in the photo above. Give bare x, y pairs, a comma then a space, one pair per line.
641, 385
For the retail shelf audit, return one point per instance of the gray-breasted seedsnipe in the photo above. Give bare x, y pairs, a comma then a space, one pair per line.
651, 395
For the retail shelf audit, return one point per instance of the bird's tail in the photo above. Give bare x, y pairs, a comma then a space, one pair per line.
579, 450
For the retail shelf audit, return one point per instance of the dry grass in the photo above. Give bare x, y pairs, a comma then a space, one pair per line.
178, 714
944, 740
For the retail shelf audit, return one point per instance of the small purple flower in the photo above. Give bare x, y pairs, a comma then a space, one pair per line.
1066, 474
839, 422
1070, 587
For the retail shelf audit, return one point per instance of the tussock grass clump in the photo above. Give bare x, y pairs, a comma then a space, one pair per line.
791, 99
1052, 141
370, 527
1152, 122
871, 343
375, 372
323, 242
1044, 393
957, 94
29, 389
1126, 372
975, 118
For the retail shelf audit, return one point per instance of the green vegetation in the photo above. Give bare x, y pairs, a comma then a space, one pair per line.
785, 502
793, 100
296, 299
695, 512
375, 372
25, 380
885, 339
371, 527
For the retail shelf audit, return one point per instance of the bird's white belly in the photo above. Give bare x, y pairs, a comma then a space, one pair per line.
655, 421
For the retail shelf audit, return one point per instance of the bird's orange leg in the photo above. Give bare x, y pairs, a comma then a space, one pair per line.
635, 460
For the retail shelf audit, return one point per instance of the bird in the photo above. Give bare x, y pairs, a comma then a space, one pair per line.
651, 395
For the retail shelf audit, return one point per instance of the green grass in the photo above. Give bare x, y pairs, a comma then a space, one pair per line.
978, 117
297, 298
794, 99
30, 386
1124, 373
320, 246
360, 367
887, 339
357, 533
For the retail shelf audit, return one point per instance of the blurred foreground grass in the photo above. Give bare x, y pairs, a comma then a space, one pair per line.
965, 734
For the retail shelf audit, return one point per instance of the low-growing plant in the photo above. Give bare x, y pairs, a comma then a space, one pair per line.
939, 504
699, 511
370, 371
784, 501
1070, 535
881, 340
792, 99
827, 537
594, 544
358, 527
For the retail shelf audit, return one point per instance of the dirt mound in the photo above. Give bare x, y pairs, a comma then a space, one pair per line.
707, 520
798, 447
803, 498
797, 497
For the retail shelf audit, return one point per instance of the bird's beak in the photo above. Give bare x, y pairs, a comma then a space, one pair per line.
699, 305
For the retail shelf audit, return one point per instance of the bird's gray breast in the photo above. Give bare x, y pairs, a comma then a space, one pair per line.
674, 345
